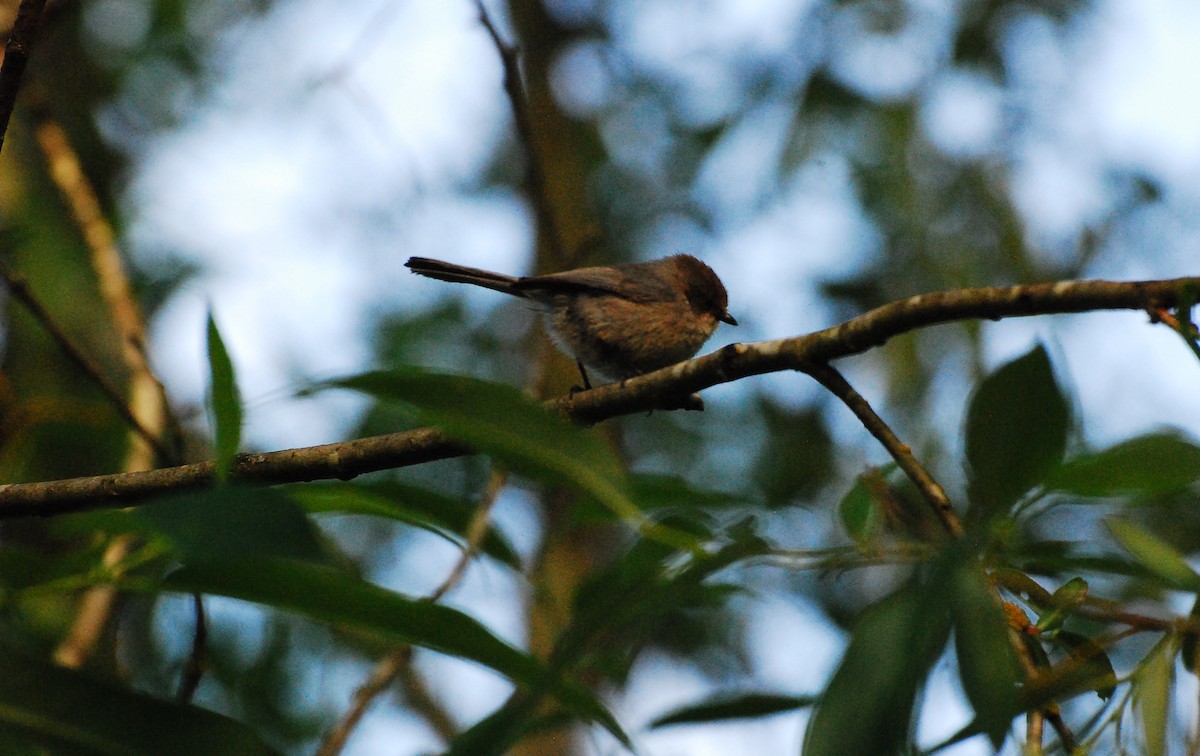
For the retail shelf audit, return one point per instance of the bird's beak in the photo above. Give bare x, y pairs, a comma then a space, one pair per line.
725, 317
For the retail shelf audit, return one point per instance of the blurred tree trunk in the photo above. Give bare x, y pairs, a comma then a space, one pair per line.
560, 147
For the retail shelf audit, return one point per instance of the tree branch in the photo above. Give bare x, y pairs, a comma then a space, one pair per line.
348, 459
535, 174
933, 492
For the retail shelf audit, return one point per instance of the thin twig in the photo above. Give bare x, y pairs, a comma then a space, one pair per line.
16, 56
1051, 712
477, 530
382, 676
1034, 724
930, 489
535, 174
20, 290
398, 665
194, 668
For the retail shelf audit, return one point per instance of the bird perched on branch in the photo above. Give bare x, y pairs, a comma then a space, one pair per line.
618, 320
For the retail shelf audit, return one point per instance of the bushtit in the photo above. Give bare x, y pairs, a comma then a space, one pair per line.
620, 320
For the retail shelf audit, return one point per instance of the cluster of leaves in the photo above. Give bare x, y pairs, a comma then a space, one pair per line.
261, 546
1017, 432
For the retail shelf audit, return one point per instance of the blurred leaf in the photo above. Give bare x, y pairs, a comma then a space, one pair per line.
1147, 466
725, 706
225, 402
667, 496
443, 516
860, 513
1190, 641
1019, 583
825, 92
233, 522
1089, 662
1069, 597
653, 492
1065, 558
494, 734
517, 431
1156, 556
1152, 682
868, 706
68, 712
330, 596
1016, 431
1086, 669
798, 458
987, 663
22, 566
616, 610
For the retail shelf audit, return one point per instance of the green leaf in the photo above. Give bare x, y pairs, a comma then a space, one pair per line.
1019, 583
725, 706
987, 663
1190, 642
662, 491
868, 705
647, 586
232, 522
800, 456
517, 431
1016, 432
1088, 662
443, 516
859, 511
1069, 597
224, 401
62, 711
1152, 683
331, 596
1149, 465
1158, 557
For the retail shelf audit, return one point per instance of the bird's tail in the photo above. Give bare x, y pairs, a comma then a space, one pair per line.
444, 271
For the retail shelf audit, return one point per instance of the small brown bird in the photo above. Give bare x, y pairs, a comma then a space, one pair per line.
620, 320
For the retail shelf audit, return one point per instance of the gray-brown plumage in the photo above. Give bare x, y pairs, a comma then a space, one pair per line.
620, 320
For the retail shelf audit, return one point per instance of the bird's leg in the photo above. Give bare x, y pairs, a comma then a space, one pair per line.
587, 385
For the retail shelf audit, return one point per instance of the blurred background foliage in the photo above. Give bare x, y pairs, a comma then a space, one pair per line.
825, 157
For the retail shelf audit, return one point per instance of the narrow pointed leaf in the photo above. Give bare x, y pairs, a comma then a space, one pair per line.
63, 711
867, 707
232, 522
444, 516
734, 706
1155, 555
225, 402
1152, 685
517, 431
1145, 466
331, 596
987, 663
